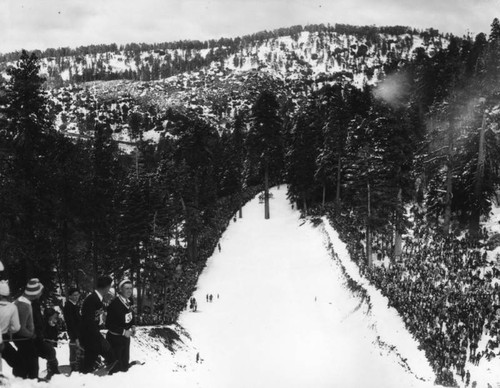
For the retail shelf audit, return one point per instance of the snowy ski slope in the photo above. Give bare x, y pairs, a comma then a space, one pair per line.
281, 316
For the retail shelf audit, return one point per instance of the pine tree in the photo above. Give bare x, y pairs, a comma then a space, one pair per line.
69, 171
265, 143
493, 57
26, 199
302, 155
103, 182
193, 153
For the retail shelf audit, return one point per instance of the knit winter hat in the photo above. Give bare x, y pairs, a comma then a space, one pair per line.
4, 288
123, 282
34, 287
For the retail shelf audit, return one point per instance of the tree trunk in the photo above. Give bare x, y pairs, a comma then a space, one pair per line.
478, 184
337, 194
398, 241
165, 299
64, 260
94, 259
240, 211
449, 193
189, 234
449, 181
139, 288
137, 162
368, 228
266, 193
324, 195
152, 285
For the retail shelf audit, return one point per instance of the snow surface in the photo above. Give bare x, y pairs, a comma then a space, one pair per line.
281, 316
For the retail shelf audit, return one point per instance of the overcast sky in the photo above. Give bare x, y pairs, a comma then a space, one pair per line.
41, 24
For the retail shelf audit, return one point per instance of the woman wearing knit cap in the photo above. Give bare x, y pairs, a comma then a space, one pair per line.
25, 337
120, 325
9, 324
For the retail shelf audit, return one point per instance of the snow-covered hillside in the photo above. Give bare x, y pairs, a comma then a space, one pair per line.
217, 80
316, 51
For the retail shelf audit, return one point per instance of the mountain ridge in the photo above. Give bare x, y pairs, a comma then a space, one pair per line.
219, 81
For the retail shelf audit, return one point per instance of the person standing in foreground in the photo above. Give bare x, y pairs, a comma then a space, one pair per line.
120, 325
91, 339
49, 338
9, 324
44, 348
73, 319
25, 338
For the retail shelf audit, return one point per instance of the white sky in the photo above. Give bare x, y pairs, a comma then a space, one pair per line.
40, 24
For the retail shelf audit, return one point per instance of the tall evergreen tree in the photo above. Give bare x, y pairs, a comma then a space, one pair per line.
302, 155
103, 183
26, 199
265, 143
196, 140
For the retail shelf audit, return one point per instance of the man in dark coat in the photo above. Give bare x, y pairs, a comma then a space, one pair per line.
45, 349
120, 325
73, 320
91, 339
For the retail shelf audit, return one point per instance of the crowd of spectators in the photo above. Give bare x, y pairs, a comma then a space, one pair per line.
445, 290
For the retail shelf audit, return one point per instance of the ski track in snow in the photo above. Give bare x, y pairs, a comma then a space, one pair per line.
281, 316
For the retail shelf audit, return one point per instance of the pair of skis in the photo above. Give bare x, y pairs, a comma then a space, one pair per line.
100, 371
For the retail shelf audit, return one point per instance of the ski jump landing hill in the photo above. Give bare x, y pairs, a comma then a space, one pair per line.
281, 315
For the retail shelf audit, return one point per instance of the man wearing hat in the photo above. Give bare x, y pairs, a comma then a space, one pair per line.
120, 324
93, 343
9, 324
73, 320
25, 337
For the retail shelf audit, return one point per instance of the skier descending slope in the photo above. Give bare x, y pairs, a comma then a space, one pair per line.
286, 319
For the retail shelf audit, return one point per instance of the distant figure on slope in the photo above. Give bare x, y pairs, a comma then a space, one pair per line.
211, 298
193, 306
120, 325
218, 246
73, 321
91, 339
